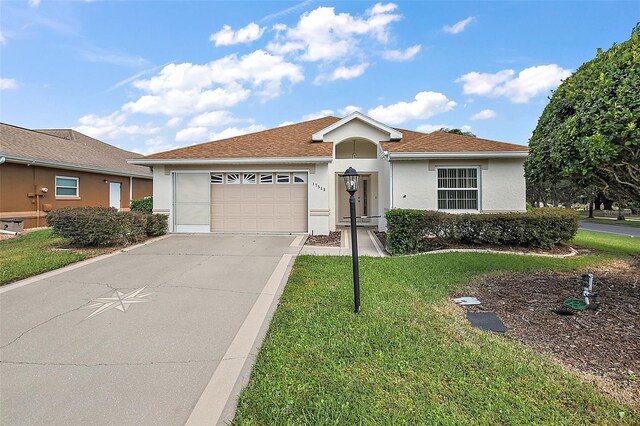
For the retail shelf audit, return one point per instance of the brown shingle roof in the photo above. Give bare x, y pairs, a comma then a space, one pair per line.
295, 141
68, 147
289, 141
447, 142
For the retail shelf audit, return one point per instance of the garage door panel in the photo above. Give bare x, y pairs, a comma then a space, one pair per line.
259, 207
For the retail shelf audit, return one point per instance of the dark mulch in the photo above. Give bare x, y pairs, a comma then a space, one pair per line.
333, 239
382, 237
604, 343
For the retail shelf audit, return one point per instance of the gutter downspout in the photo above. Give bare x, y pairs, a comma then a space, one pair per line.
130, 189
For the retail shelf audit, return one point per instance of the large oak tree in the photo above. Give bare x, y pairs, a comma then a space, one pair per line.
589, 133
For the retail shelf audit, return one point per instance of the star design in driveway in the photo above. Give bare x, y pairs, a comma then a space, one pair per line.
120, 301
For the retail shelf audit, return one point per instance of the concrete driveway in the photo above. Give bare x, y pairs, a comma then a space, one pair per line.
161, 334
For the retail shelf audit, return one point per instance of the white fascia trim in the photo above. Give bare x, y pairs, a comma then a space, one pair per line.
393, 133
68, 166
274, 160
456, 155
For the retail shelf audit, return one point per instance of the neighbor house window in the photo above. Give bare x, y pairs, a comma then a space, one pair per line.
458, 189
67, 186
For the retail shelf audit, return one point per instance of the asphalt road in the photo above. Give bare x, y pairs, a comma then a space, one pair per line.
134, 338
610, 229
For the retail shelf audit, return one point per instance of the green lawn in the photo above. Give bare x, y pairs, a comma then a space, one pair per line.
609, 244
31, 254
410, 357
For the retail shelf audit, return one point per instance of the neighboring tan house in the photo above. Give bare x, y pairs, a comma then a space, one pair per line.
42, 170
288, 179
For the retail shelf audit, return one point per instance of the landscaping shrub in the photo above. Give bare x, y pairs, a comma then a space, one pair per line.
102, 226
144, 205
157, 225
414, 231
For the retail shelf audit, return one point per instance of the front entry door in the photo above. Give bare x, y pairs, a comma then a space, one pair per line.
363, 201
114, 195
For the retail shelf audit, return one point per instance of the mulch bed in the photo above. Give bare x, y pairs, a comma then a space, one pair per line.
331, 240
604, 344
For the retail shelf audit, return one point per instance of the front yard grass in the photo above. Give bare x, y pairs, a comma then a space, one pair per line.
33, 254
410, 357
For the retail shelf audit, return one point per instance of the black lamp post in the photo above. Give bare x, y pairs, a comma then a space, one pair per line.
351, 184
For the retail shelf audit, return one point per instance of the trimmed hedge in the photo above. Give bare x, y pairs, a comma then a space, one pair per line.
414, 231
102, 226
144, 205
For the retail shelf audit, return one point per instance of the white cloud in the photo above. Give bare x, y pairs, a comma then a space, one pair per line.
318, 114
529, 83
379, 8
485, 114
153, 145
428, 128
192, 134
3, 39
214, 119
400, 55
8, 83
424, 105
323, 35
174, 122
349, 109
227, 37
286, 123
112, 57
112, 126
235, 131
458, 27
181, 102
179, 89
344, 73
34, 3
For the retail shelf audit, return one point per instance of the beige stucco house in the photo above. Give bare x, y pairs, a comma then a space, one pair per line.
287, 179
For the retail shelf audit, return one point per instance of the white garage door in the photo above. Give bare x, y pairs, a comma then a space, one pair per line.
191, 202
259, 202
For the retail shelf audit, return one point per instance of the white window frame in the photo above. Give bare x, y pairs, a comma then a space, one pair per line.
270, 175
238, 180
302, 176
221, 175
77, 187
477, 189
288, 182
246, 181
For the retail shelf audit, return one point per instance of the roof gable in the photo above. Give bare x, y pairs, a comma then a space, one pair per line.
394, 134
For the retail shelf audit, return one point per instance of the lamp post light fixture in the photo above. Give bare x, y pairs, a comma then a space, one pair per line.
351, 184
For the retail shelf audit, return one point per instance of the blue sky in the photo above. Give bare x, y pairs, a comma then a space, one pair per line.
153, 75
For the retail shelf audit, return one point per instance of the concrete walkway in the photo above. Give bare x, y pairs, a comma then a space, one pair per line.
162, 334
368, 245
629, 231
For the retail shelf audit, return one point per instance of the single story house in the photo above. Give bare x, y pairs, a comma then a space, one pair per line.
288, 179
42, 170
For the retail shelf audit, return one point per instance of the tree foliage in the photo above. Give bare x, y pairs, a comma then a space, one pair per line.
589, 133
456, 132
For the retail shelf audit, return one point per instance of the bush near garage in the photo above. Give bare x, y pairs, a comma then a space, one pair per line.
102, 226
414, 231
144, 205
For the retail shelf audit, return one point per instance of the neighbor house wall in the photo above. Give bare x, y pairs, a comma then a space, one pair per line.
502, 184
17, 181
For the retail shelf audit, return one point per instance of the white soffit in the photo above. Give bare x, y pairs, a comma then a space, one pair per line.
393, 133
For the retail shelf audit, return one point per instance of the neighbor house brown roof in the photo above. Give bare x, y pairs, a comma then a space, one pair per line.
66, 147
295, 141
